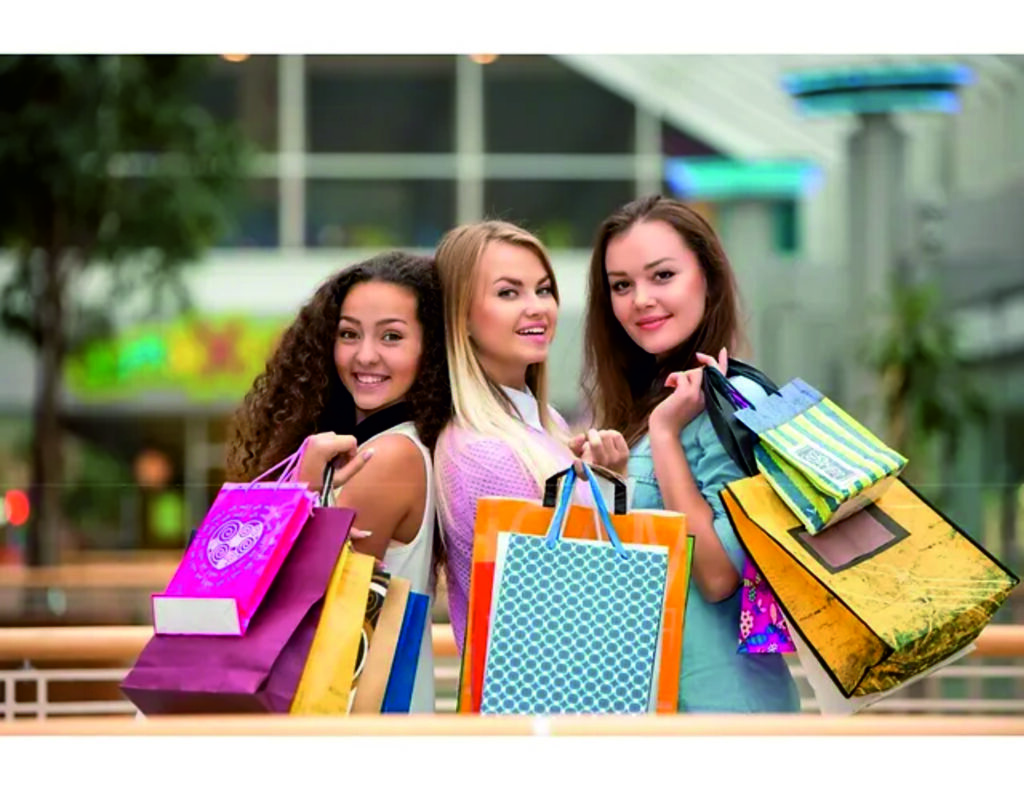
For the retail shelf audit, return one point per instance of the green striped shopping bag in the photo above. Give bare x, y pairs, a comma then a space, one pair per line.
822, 463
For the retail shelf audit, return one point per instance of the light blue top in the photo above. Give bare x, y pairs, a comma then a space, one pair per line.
713, 676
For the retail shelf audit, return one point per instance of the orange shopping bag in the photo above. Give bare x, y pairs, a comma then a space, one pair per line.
652, 527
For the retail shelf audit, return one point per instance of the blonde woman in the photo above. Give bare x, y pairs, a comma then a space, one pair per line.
501, 309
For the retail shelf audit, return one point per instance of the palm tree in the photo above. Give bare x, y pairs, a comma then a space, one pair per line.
929, 398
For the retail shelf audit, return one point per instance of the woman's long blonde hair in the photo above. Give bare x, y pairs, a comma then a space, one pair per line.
479, 403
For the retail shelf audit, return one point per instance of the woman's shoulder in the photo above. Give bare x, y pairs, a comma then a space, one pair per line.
409, 430
393, 448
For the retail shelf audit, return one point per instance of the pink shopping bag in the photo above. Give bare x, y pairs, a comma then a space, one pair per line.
235, 555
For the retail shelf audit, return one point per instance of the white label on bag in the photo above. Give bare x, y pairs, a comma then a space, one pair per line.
825, 464
232, 541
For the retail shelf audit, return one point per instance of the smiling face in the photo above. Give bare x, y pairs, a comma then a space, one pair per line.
513, 312
658, 288
380, 340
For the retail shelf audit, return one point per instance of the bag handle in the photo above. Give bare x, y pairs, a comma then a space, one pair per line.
291, 467
738, 367
558, 519
292, 470
324, 500
721, 402
290, 464
726, 388
551, 489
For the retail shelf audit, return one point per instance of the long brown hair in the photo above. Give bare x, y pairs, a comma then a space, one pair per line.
622, 382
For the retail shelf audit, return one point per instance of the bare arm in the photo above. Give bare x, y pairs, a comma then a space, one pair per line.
388, 495
713, 571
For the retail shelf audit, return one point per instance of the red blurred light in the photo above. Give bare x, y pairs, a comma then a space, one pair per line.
16, 507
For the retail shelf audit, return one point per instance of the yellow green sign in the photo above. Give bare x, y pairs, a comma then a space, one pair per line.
198, 357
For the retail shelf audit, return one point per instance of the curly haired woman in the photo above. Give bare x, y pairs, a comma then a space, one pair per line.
365, 357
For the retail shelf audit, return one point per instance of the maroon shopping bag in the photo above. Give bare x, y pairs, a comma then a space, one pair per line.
257, 672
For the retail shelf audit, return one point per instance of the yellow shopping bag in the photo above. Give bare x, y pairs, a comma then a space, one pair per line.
880, 597
326, 682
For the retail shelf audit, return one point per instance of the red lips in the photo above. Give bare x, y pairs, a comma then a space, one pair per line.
651, 323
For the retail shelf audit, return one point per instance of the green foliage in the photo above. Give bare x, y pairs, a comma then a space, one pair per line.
109, 166
928, 393
77, 135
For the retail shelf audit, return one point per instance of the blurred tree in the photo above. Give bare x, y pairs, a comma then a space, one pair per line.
928, 395
109, 167
94, 493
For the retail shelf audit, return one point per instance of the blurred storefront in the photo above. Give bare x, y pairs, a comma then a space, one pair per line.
361, 153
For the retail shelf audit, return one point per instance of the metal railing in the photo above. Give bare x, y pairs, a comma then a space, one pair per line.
87, 663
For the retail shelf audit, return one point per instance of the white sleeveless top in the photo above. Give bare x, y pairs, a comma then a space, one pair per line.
414, 561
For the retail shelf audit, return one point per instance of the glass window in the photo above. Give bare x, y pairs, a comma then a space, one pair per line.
381, 103
534, 104
561, 213
786, 218
255, 220
357, 213
246, 92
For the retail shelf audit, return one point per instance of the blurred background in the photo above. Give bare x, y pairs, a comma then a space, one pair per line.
164, 217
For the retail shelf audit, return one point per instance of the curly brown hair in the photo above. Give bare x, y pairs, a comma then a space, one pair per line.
299, 393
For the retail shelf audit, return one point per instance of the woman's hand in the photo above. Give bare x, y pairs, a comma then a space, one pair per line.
721, 364
343, 449
607, 449
682, 406
323, 448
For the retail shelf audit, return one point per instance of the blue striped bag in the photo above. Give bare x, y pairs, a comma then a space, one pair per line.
821, 462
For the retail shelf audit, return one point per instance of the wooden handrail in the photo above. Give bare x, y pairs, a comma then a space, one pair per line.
124, 642
115, 642
147, 576
675, 725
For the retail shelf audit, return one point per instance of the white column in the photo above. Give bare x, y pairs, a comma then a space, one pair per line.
749, 245
291, 137
822, 232
878, 229
998, 123
469, 140
1015, 127
649, 160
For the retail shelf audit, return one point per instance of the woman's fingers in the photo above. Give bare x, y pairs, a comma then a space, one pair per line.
721, 363
351, 469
